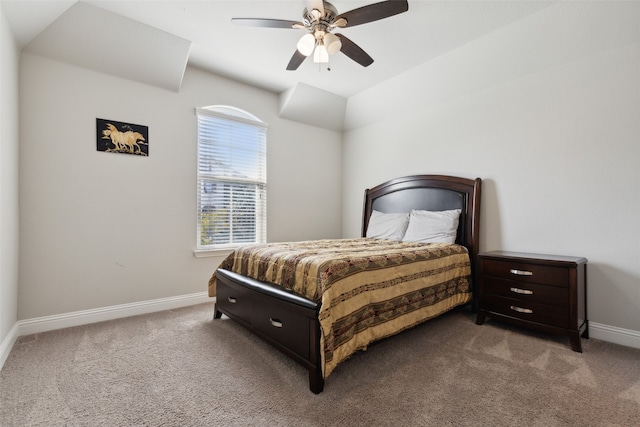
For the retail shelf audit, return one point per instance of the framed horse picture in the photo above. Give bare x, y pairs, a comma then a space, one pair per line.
118, 137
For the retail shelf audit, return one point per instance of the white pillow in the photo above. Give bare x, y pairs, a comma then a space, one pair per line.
432, 227
390, 226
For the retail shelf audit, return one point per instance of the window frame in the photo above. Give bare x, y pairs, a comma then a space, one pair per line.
232, 116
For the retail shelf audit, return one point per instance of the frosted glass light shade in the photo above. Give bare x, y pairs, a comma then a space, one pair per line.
306, 44
321, 55
332, 43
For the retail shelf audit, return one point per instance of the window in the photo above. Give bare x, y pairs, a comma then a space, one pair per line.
232, 178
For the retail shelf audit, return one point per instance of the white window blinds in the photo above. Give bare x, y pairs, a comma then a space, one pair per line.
232, 178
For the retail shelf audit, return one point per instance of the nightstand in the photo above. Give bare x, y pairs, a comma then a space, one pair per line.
544, 292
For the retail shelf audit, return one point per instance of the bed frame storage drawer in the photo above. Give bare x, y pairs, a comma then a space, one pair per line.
234, 300
284, 326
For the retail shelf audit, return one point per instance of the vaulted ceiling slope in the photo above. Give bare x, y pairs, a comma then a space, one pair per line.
152, 42
91, 37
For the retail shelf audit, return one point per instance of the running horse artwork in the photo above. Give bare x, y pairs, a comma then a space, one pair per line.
119, 137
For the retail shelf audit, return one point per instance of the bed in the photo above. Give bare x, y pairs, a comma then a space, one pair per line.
321, 301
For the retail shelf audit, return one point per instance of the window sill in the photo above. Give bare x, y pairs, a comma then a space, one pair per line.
204, 253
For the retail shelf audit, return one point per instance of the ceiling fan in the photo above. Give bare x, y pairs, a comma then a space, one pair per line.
320, 18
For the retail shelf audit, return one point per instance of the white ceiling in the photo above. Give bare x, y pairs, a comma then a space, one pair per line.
201, 33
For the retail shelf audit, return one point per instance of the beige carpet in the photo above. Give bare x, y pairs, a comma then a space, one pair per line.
181, 368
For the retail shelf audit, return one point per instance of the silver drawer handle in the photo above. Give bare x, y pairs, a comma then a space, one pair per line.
275, 322
232, 300
521, 310
522, 291
521, 272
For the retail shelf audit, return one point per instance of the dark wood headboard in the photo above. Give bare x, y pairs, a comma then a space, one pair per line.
433, 193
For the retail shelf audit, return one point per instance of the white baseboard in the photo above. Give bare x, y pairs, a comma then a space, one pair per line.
613, 334
626, 337
84, 317
7, 344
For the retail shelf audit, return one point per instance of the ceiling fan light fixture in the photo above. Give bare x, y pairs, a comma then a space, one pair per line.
306, 44
319, 18
332, 43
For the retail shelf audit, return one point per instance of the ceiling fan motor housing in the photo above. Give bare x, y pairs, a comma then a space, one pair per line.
312, 18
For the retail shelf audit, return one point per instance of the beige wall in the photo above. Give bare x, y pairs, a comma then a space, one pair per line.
546, 112
8, 181
100, 229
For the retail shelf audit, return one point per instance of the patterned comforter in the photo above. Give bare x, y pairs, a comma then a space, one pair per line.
368, 288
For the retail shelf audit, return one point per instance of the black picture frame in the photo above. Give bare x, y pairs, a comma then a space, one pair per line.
119, 137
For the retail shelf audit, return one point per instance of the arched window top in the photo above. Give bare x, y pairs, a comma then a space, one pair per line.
235, 112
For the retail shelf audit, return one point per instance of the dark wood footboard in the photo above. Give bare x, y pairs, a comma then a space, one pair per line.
285, 320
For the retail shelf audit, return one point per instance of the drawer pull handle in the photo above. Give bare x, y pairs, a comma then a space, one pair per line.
275, 322
521, 272
232, 300
521, 310
522, 291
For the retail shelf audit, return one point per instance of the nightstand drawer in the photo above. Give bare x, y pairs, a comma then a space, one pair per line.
525, 272
530, 292
533, 312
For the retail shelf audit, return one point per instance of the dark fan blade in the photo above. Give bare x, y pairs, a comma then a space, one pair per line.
373, 12
296, 60
267, 23
315, 4
354, 51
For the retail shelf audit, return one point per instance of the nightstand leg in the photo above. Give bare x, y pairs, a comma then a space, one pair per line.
585, 334
576, 344
480, 317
